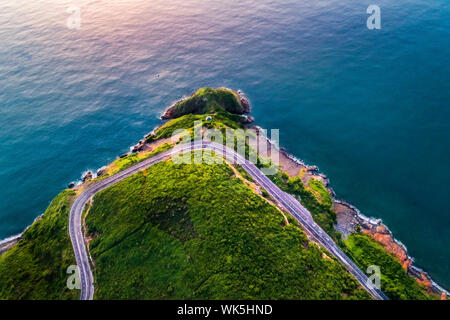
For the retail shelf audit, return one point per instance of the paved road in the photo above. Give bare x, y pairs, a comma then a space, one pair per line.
287, 201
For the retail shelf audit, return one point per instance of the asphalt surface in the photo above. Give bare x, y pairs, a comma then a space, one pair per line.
285, 200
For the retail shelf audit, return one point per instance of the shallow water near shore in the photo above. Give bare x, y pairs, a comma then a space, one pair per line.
370, 108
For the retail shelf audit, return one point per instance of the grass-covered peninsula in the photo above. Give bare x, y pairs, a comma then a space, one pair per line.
196, 231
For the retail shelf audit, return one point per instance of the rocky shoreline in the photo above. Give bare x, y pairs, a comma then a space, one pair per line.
350, 218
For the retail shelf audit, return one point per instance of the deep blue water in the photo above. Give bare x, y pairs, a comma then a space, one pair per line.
370, 107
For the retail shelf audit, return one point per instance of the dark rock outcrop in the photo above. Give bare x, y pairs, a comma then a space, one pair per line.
138, 147
247, 119
169, 113
101, 171
244, 102
87, 176
312, 169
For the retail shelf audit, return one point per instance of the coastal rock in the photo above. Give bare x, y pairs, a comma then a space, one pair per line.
151, 133
101, 171
246, 105
138, 147
244, 101
71, 185
312, 169
349, 217
123, 155
331, 191
323, 178
424, 278
168, 114
382, 235
256, 128
86, 176
247, 119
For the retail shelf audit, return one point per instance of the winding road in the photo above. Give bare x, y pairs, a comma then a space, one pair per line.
287, 201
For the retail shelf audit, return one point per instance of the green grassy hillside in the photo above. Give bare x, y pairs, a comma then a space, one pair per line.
321, 209
36, 267
198, 232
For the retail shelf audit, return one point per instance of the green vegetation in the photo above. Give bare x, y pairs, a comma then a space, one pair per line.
207, 100
316, 199
185, 122
130, 160
223, 120
198, 232
395, 282
35, 268
244, 173
220, 120
321, 193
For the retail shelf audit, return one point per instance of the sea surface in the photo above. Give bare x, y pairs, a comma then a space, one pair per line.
371, 108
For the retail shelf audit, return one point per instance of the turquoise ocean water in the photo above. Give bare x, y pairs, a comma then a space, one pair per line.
371, 108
